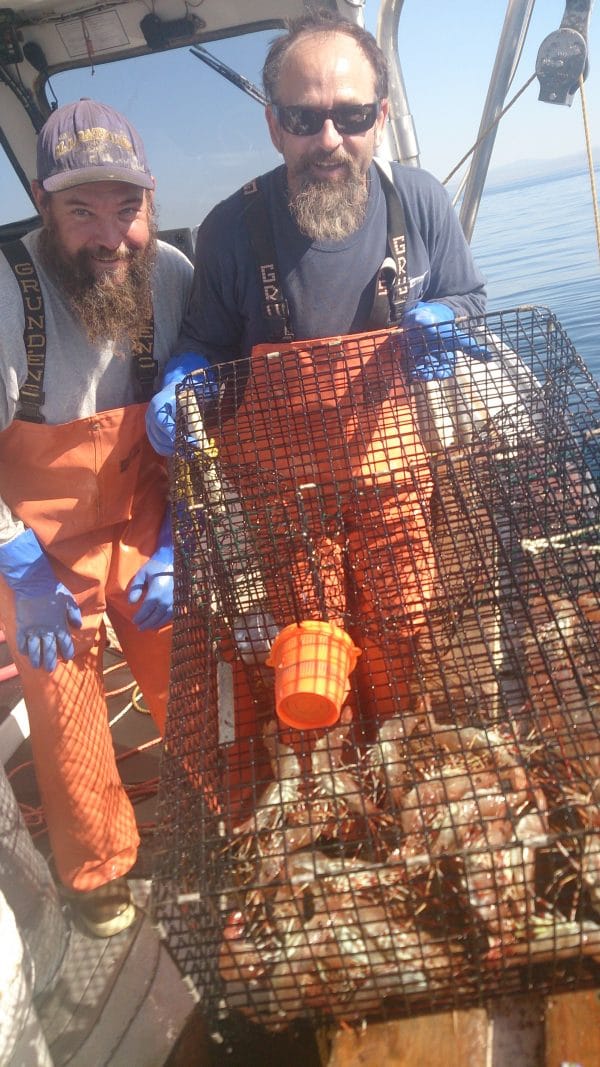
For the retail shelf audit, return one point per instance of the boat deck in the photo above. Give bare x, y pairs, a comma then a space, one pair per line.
118, 1001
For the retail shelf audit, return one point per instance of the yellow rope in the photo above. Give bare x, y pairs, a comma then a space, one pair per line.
588, 146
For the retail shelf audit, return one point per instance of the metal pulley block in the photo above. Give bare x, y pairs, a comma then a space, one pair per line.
563, 56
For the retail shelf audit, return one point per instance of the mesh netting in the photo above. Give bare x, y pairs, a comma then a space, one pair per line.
439, 842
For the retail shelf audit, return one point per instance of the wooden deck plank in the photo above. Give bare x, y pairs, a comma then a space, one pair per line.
572, 1027
452, 1039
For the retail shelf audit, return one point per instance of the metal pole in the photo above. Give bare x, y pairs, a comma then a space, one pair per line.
514, 31
401, 130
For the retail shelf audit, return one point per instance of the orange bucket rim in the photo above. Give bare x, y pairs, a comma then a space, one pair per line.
315, 626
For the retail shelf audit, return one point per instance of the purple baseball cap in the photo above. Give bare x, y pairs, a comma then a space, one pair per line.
90, 142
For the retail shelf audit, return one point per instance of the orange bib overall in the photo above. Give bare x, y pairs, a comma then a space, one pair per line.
328, 428
94, 493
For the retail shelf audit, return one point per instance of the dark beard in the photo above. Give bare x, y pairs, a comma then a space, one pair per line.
330, 212
108, 309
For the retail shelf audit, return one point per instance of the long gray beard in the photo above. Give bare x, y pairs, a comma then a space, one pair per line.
108, 309
326, 212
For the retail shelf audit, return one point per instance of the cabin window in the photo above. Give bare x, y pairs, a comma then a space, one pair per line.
204, 136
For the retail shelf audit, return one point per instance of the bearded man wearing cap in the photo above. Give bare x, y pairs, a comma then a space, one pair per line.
90, 308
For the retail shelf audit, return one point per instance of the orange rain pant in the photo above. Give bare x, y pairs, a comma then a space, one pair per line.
94, 492
329, 424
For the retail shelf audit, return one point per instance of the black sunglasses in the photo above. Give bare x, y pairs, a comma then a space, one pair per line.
306, 121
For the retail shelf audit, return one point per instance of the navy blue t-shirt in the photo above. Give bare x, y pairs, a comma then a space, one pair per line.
329, 286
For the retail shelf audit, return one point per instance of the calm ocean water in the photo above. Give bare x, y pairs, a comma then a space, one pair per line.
535, 243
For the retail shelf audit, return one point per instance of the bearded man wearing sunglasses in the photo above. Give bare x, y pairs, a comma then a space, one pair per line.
330, 245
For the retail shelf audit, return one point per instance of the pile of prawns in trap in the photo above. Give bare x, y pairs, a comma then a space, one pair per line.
406, 866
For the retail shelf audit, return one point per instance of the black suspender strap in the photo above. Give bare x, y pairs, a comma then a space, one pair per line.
31, 395
275, 306
392, 286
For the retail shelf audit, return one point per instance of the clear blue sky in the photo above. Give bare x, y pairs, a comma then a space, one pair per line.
204, 137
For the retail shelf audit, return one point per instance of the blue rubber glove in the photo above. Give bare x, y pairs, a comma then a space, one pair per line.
160, 416
433, 341
44, 608
154, 581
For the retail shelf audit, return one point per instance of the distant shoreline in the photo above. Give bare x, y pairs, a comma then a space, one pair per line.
531, 170
536, 171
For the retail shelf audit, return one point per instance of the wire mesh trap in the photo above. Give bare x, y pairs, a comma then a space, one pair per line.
438, 841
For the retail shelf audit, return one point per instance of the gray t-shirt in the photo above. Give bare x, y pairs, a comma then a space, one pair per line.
329, 286
81, 378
